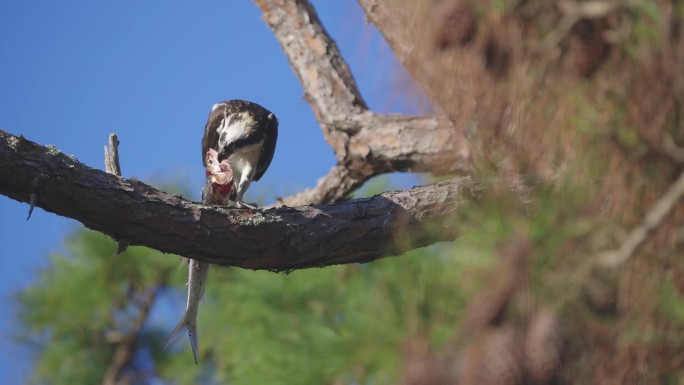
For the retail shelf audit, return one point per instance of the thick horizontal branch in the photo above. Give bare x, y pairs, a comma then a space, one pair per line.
386, 143
275, 239
365, 144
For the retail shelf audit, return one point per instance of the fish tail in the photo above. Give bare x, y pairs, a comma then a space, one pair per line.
194, 338
188, 322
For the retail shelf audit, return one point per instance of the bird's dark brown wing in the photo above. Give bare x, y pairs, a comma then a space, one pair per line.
211, 135
268, 148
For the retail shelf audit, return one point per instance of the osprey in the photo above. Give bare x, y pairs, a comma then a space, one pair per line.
244, 134
237, 147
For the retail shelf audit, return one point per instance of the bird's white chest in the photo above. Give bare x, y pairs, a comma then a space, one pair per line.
245, 160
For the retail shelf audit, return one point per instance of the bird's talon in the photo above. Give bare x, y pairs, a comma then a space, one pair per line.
243, 205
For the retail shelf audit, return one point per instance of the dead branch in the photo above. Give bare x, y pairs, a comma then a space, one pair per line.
275, 239
672, 149
112, 165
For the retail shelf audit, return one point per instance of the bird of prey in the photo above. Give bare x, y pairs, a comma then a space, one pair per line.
237, 147
245, 134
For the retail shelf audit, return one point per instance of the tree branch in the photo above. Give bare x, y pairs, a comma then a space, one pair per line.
125, 349
279, 239
313, 55
111, 153
386, 143
365, 144
655, 216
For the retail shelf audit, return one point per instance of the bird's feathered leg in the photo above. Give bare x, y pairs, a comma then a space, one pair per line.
243, 185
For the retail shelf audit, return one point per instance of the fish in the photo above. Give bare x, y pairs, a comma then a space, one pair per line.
197, 280
217, 190
219, 187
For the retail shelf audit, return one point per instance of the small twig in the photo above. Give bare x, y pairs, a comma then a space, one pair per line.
651, 221
591, 9
122, 245
32, 203
574, 11
33, 196
112, 165
671, 149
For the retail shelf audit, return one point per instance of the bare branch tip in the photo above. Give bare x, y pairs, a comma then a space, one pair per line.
112, 165
122, 245
32, 203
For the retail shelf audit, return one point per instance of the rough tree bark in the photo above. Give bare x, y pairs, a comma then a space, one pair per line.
587, 91
277, 239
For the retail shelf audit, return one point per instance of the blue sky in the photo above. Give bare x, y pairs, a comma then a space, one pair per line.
72, 72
